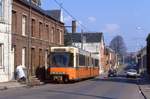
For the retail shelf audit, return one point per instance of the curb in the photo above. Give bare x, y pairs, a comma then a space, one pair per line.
2, 88
141, 91
6, 87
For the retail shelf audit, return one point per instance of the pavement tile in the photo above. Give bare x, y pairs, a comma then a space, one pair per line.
11, 84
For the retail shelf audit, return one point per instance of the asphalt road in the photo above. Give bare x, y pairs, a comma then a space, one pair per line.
98, 88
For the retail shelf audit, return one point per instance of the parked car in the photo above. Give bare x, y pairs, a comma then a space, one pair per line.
131, 73
112, 73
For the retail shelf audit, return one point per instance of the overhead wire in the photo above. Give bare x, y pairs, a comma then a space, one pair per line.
74, 18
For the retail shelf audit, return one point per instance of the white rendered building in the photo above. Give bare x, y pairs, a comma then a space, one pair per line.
92, 42
6, 67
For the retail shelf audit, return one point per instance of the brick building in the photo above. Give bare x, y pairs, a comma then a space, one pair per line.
34, 31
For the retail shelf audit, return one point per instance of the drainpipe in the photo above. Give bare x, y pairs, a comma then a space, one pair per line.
29, 37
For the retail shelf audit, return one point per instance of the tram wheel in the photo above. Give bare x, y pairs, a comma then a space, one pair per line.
66, 80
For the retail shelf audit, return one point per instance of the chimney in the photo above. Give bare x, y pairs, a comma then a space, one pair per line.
74, 26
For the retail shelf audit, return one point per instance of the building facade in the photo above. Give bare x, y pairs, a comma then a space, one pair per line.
34, 31
92, 42
148, 54
110, 59
6, 69
142, 60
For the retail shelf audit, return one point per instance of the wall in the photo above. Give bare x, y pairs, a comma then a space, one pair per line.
6, 70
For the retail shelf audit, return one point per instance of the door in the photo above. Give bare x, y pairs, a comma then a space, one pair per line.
32, 61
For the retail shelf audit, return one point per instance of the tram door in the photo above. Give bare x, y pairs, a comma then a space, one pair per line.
32, 61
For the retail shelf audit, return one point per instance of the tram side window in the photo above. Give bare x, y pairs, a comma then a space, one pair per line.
71, 61
87, 61
81, 60
96, 62
93, 62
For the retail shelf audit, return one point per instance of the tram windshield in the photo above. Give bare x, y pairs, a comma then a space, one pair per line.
62, 59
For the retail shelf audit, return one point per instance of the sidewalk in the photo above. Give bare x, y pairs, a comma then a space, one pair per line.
144, 86
10, 84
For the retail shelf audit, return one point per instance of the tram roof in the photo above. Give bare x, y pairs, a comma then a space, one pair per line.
78, 50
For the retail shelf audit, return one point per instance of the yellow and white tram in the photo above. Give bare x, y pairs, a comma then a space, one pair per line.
70, 64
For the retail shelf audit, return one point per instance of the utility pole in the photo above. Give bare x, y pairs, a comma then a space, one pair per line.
82, 39
29, 38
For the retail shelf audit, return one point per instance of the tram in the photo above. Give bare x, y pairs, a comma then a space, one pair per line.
71, 64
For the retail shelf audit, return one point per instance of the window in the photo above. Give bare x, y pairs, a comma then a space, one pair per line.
14, 21
40, 29
88, 61
14, 49
46, 54
24, 25
32, 61
96, 62
77, 60
62, 59
47, 32
40, 57
1, 8
52, 35
1, 55
23, 56
60, 34
57, 36
32, 27
81, 60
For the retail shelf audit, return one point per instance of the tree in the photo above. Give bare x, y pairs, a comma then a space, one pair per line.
117, 44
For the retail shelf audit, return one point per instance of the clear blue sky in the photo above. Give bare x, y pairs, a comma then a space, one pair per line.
129, 18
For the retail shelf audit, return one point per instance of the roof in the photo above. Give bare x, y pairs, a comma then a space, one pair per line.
56, 14
39, 9
85, 37
109, 49
37, 2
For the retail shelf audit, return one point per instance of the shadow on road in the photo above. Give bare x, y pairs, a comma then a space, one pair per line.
145, 80
119, 78
79, 94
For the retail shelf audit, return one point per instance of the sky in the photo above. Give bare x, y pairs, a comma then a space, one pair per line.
128, 18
